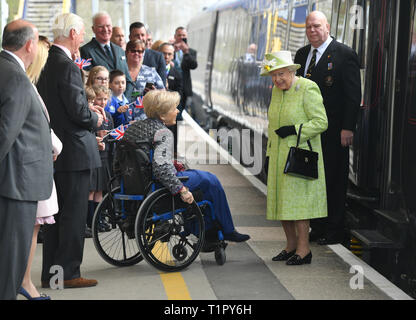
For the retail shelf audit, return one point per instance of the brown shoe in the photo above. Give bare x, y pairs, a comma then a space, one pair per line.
80, 283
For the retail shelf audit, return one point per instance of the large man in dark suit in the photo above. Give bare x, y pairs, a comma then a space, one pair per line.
335, 68
101, 50
185, 61
25, 155
151, 57
62, 90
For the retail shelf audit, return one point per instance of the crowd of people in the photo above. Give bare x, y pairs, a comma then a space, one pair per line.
55, 158
55, 164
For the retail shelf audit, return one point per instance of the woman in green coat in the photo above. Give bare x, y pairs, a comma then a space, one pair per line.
293, 200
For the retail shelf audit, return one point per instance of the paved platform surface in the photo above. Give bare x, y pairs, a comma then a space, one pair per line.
248, 274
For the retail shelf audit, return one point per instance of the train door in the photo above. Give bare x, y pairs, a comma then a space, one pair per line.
406, 76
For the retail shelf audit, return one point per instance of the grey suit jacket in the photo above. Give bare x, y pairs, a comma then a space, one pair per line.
98, 57
26, 164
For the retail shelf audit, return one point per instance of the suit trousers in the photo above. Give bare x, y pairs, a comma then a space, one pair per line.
336, 162
17, 221
63, 243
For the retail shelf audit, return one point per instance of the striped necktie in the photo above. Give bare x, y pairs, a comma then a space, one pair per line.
311, 64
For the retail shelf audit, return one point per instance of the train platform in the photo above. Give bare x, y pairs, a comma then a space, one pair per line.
249, 273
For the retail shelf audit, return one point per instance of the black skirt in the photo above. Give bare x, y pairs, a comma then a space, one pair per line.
99, 177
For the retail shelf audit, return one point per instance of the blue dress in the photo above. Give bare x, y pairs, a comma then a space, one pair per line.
212, 191
161, 139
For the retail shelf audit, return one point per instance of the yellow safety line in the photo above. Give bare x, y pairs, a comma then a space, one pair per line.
174, 283
175, 286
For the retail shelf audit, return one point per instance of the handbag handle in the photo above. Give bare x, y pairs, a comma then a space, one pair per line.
297, 142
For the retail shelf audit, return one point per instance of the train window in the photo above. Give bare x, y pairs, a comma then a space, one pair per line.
342, 13
411, 96
278, 26
324, 6
297, 33
334, 17
362, 52
263, 35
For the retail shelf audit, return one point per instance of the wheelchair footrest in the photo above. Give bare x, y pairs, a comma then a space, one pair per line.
212, 246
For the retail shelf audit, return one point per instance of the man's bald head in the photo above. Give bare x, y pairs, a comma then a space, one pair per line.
317, 28
17, 33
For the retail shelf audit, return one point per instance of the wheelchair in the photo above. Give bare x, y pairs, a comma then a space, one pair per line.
139, 219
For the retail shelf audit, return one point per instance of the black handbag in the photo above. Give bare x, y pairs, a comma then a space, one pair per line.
302, 163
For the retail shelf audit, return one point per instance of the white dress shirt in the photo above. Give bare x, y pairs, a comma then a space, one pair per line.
319, 53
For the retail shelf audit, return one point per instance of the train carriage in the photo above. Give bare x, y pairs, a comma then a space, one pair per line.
381, 203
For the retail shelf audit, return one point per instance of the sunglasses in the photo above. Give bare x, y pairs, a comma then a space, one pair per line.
137, 51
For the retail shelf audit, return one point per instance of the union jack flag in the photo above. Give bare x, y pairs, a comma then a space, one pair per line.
138, 103
82, 63
117, 133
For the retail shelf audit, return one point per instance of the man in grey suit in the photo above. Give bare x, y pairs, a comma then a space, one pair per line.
62, 90
101, 50
25, 154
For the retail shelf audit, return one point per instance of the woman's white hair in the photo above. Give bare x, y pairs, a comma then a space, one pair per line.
64, 23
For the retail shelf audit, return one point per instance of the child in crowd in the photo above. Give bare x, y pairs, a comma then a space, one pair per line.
100, 176
89, 92
118, 106
98, 75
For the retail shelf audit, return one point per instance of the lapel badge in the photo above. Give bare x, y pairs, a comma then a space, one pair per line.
329, 81
330, 66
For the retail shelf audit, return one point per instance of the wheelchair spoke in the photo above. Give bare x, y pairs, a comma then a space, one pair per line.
113, 245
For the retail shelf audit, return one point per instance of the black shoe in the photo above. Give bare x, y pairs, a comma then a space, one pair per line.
296, 260
235, 236
324, 241
284, 255
88, 232
104, 226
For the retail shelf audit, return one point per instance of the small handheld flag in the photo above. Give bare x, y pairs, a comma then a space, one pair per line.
82, 63
138, 103
117, 133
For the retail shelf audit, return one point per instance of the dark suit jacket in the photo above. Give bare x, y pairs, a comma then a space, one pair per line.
62, 90
26, 166
156, 60
189, 63
175, 82
94, 51
338, 77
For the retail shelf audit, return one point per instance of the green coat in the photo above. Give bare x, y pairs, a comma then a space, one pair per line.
288, 197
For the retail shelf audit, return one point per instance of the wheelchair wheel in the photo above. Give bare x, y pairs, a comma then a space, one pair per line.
220, 256
111, 236
170, 237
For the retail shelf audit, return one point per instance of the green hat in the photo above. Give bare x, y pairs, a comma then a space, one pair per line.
277, 60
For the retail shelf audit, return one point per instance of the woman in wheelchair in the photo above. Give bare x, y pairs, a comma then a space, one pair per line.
160, 108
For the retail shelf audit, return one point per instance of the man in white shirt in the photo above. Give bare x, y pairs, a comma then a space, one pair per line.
335, 68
